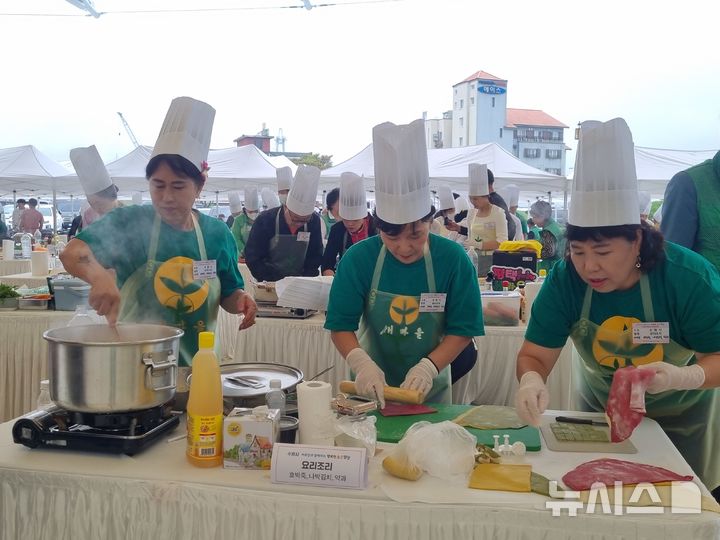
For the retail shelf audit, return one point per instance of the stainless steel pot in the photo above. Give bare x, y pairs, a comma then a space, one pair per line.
98, 369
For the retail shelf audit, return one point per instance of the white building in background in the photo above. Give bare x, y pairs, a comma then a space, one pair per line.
480, 115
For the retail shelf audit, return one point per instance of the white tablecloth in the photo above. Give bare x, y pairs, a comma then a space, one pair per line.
14, 266
305, 344
23, 357
64, 495
25, 278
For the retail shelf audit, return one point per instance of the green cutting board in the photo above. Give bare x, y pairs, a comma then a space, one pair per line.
392, 428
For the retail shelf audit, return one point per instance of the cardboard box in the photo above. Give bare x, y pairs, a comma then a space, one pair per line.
514, 266
501, 308
248, 438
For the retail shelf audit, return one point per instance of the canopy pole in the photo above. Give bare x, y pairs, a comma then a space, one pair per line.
54, 208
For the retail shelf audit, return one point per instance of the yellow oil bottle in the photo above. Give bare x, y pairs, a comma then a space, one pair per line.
205, 407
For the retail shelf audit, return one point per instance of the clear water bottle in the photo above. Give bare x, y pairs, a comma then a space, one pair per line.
472, 253
43, 399
275, 398
38, 237
26, 244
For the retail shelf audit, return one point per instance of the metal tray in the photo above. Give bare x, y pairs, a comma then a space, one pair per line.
256, 377
32, 303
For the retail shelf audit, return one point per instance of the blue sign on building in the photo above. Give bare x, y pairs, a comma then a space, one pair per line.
490, 89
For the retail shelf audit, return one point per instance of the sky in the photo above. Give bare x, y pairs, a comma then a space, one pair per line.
326, 76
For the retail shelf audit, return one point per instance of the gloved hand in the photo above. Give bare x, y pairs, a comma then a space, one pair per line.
671, 377
532, 398
420, 376
369, 378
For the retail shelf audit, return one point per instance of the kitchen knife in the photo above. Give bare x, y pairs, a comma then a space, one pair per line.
392, 393
587, 421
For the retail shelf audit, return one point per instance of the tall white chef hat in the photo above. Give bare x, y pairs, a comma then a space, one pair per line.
284, 178
478, 178
270, 198
445, 198
511, 194
90, 169
235, 202
186, 130
137, 198
604, 189
461, 204
644, 202
303, 193
353, 203
252, 204
402, 181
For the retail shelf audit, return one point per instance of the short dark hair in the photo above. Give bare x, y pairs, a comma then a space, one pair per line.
109, 193
32, 202
178, 164
332, 197
652, 245
20, 201
393, 229
491, 178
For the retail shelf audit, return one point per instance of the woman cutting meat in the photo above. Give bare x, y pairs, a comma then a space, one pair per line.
165, 263
620, 276
414, 295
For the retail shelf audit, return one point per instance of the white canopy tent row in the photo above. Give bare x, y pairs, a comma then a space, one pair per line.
656, 166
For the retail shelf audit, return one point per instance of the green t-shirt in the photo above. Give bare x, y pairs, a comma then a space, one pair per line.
121, 241
685, 291
454, 275
240, 223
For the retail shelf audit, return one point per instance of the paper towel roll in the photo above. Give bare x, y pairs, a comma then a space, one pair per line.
8, 250
315, 414
532, 288
40, 263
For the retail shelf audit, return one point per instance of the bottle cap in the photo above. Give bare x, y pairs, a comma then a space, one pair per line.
206, 340
506, 283
543, 272
275, 383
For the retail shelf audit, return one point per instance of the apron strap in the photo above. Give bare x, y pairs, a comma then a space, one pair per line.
377, 272
585, 313
646, 298
429, 270
200, 239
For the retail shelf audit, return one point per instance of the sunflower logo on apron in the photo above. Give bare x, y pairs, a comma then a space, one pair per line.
175, 288
404, 310
613, 345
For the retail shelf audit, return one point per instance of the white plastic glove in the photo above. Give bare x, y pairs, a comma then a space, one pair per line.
420, 376
369, 378
671, 377
532, 398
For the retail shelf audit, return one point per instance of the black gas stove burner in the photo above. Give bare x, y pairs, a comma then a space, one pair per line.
121, 433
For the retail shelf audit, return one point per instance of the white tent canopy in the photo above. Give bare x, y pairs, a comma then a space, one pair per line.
656, 166
449, 166
28, 171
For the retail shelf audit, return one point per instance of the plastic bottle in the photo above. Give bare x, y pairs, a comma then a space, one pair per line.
275, 398
542, 275
38, 237
473, 258
43, 399
26, 243
81, 317
205, 407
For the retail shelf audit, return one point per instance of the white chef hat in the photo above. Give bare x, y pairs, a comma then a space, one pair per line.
511, 194
270, 198
284, 178
478, 180
402, 181
252, 204
604, 191
353, 203
90, 169
445, 198
186, 131
137, 198
644, 202
235, 202
303, 193
461, 204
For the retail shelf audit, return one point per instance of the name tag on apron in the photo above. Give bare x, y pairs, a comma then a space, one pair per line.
432, 302
205, 269
303, 236
650, 332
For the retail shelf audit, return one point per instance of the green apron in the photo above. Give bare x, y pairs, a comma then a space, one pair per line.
483, 232
192, 305
287, 252
241, 231
397, 335
687, 416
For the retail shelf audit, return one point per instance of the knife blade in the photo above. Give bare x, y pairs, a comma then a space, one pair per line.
586, 421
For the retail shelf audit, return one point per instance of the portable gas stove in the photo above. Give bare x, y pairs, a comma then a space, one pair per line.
119, 433
270, 309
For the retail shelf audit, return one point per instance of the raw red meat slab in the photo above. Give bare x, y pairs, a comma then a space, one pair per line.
625, 406
608, 471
